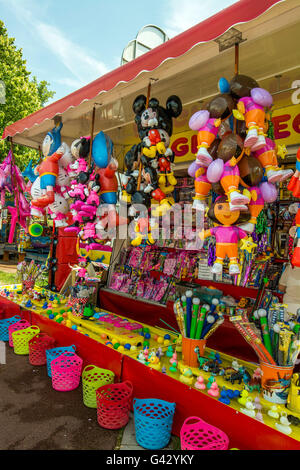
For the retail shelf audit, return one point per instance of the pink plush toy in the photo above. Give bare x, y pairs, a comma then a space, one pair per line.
207, 132
253, 109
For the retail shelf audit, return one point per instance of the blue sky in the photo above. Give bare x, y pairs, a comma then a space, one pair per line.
69, 43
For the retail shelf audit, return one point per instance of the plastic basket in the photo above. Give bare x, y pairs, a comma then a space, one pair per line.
196, 434
55, 352
153, 421
114, 404
20, 325
21, 339
27, 285
37, 349
66, 372
94, 377
4, 325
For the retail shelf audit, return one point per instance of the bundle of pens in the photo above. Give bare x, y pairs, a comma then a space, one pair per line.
27, 274
197, 321
276, 341
281, 337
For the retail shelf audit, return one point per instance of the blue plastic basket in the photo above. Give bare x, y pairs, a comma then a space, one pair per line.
54, 353
153, 421
4, 324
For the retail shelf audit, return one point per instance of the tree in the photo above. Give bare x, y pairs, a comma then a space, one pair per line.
23, 95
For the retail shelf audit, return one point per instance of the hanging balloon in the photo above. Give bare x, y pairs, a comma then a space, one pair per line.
35, 230
251, 170
241, 85
223, 85
221, 106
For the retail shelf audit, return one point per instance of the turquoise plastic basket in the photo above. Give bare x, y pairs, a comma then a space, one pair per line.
54, 353
153, 420
4, 324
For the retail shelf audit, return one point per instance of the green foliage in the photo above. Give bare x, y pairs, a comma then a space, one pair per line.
23, 95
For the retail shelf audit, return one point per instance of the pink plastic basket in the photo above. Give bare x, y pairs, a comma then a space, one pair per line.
196, 434
20, 325
66, 372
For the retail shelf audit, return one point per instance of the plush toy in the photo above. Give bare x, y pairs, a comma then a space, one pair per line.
155, 127
207, 122
59, 211
80, 149
227, 235
226, 170
207, 129
48, 169
268, 159
294, 184
252, 109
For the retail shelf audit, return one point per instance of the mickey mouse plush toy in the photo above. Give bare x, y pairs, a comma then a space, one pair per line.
155, 127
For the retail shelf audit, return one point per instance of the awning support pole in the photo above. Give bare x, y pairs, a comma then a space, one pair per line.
92, 137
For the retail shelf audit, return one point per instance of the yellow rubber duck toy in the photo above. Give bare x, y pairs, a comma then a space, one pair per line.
186, 376
154, 362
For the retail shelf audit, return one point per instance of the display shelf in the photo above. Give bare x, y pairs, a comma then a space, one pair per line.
228, 289
245, 433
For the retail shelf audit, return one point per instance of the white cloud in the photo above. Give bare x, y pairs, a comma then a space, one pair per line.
82, 65
183, 14
75, 58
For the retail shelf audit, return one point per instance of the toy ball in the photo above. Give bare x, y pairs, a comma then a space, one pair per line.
160, 340
103, 336
121, 348
146, 344
108, 343
116, 345
133, 348
35, 230
74, 327
51, 316
167, 337
127, 346
147, 336
68, 323
155, 337
166, 342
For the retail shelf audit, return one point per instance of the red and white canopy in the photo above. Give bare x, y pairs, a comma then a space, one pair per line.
188, 65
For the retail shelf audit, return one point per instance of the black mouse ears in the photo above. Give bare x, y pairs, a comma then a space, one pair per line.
174, 106
139, 104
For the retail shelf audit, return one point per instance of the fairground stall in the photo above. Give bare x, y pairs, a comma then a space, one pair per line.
170, 186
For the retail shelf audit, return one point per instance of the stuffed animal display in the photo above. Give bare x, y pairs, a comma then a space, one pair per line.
149, 177
223, 157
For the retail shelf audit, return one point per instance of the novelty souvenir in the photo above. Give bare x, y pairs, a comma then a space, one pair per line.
227, 235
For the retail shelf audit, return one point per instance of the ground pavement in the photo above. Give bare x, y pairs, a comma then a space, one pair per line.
33, 416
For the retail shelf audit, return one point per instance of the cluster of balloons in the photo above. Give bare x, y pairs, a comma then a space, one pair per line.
237, 160
77, 187
149, 177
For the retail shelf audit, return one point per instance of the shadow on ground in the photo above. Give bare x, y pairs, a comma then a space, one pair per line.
34, 416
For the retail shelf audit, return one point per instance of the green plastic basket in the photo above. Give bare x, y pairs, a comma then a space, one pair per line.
21, 339
94, 377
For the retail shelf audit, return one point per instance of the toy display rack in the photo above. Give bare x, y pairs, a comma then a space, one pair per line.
93, 331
